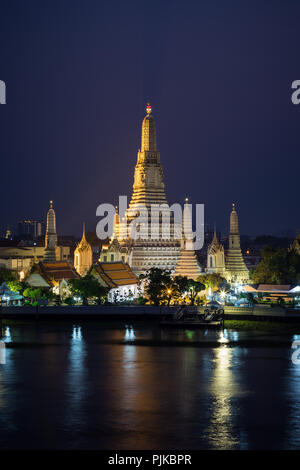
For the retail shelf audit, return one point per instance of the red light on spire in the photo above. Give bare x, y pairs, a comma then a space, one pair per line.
148, 108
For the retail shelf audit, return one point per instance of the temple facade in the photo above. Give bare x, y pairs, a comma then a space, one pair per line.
51, 236
236, 269
187, 263
151, 246
216, 257
83, 256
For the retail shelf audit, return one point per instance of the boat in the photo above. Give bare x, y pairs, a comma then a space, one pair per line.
188, 318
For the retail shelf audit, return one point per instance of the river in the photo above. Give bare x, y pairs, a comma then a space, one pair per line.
114, 386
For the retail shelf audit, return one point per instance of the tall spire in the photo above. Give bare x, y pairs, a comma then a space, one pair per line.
148, 186
83, 255
234, 223
187, 263
148, 143
51, 236
235, 265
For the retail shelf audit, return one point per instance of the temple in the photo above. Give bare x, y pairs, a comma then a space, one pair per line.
236, 269
152, 245
187, 263
51, 236
216, 256
83, 255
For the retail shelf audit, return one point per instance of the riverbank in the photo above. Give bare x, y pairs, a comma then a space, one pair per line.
142, 312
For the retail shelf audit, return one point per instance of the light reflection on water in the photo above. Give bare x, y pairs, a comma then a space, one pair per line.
137, 386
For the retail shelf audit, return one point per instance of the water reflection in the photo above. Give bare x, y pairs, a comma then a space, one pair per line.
221, 434
129, 333
76, 378
293, 392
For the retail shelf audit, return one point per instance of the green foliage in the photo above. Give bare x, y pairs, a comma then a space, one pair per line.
15, 286
87, 287
161, 289
212, 281
182, 286
277, 267
69, 301
158, 283
6, 276
33, 294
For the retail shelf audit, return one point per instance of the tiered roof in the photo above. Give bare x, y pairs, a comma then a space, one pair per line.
115, 274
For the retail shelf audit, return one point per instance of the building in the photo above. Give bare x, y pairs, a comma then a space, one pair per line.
19, 257
114, 251
122, 282
51, 236
83, 256
30, 229
153, 247
54, 275
9, 297
187, 262
236, 270
216, 257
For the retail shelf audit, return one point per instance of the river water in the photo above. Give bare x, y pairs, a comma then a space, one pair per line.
137, 386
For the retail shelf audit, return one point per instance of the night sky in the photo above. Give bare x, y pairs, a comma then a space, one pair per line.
217, 73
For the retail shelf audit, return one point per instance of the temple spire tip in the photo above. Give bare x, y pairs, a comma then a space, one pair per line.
148, 108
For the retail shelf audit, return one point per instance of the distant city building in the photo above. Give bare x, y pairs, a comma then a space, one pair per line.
83, 256
8, 234
30, 229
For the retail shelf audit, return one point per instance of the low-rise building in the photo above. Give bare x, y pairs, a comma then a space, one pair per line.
54, 275
122, 282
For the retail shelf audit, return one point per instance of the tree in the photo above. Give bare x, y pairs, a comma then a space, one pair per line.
87, 287
158, 285
33, 294
193, 290
15, 286
213, 281
277, 267
6, 276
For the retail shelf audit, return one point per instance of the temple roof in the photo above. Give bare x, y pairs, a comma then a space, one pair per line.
83, 245
115, 274
54, 272
215, 245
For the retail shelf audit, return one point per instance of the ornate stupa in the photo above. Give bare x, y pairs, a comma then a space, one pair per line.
153, 247
236, 270
187, 263
216, 256
51, 237
83, 255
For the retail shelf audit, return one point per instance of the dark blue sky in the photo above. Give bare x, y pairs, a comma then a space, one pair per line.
218, 75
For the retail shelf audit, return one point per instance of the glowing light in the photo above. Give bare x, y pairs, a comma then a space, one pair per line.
148, 108
129, 333
223, 337
22, 275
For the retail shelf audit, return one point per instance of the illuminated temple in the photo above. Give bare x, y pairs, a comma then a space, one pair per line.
187, 263
236, 269
153, 247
